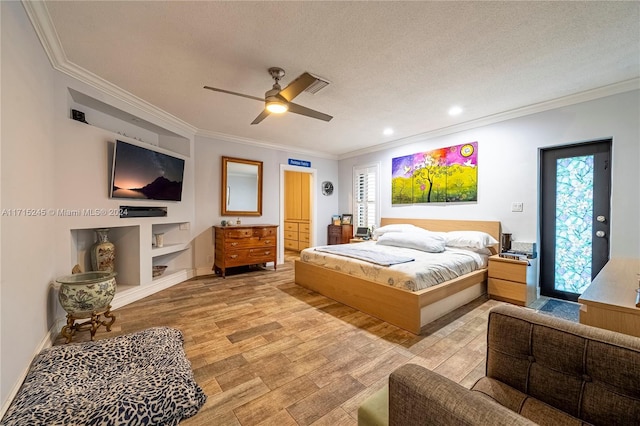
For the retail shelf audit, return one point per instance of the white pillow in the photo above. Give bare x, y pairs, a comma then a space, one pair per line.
424, 241
470, 239
396, 227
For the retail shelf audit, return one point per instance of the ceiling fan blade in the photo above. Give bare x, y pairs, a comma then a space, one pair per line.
296, 87
299, 109
261, 116
234, 93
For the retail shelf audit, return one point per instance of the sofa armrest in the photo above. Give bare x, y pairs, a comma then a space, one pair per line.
418, 396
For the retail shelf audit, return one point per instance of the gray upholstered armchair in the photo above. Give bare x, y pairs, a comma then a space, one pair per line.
540, 370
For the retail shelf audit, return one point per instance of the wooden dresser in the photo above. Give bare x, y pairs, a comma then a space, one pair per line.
296, 235
244, 245
339, 234
297, 208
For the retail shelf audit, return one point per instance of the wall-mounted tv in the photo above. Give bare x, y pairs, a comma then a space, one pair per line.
145, 174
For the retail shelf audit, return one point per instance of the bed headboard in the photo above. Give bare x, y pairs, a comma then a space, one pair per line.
491, 227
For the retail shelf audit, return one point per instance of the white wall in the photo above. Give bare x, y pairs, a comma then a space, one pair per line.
208, 164
28, 132
508, 167
50, 162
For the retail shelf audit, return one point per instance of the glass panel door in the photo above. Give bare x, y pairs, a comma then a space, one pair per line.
574, 215
574, 212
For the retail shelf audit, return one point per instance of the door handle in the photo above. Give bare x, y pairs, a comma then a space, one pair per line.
600, 234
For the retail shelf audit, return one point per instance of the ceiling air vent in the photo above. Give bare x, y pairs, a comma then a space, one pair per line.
317, 85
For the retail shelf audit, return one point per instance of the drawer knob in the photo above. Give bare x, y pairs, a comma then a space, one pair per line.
233, 256
267, 241
234, 244
267, 252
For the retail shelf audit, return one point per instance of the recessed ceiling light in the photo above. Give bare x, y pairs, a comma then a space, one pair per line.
387, 131
455, 110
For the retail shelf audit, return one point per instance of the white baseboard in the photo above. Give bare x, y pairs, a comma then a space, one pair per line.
46, 342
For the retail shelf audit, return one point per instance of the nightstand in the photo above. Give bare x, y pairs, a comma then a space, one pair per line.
339, 234
513, 281
356, 240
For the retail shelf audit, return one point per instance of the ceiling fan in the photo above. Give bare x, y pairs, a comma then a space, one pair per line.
278, 100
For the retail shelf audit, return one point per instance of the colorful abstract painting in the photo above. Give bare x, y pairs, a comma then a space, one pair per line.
443, 175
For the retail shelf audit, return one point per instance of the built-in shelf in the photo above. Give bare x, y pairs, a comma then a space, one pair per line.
134, 261
169, 248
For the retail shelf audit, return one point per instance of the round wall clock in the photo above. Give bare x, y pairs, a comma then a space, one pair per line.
327, 188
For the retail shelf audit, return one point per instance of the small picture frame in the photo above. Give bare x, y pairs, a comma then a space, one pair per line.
335, 219
347, 219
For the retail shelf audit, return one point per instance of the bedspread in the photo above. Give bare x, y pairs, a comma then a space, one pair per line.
427, 270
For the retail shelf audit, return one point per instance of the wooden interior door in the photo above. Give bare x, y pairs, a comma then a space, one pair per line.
292, 185
305, 204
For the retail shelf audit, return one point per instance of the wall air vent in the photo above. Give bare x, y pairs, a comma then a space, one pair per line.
317, 85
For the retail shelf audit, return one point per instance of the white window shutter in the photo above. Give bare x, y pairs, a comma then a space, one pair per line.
366, 195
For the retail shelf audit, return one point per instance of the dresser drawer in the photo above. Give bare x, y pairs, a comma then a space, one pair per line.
335, 231
303, 237
264, 232
303, 227
513, 291
291, 235
291, 244
508, 270
238, 233
249, 256
231, 245
303, 245
291, 226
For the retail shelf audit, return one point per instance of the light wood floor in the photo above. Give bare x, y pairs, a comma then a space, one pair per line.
269, 352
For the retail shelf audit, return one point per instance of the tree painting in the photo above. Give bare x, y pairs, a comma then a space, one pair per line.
438, 176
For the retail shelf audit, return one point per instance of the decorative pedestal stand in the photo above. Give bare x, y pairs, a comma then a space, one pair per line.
92, 325
87, 295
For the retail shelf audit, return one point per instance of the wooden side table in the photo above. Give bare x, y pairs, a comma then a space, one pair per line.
339, 234
356, 240
513, 281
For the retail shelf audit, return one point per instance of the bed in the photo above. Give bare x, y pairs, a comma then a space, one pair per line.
409, 310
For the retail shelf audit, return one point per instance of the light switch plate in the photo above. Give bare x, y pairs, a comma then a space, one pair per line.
517, 207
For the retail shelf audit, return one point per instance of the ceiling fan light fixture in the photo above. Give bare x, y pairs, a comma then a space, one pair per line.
277, 107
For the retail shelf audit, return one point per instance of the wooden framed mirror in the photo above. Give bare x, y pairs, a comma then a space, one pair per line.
241, 187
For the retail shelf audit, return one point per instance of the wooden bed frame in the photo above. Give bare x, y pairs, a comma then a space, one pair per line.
406, 309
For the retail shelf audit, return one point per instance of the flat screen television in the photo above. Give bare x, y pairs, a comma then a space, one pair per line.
145, 174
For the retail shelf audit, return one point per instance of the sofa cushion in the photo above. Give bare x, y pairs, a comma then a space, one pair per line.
528, 407
589, 373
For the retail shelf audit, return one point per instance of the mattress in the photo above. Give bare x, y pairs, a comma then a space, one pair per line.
427, 270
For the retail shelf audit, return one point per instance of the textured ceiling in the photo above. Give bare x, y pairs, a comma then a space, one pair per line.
397, 64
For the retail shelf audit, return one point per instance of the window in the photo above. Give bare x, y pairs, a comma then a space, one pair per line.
366, 197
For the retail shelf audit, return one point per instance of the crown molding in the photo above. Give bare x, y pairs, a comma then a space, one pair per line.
41, 21
42, 24
255, 142
589, 95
